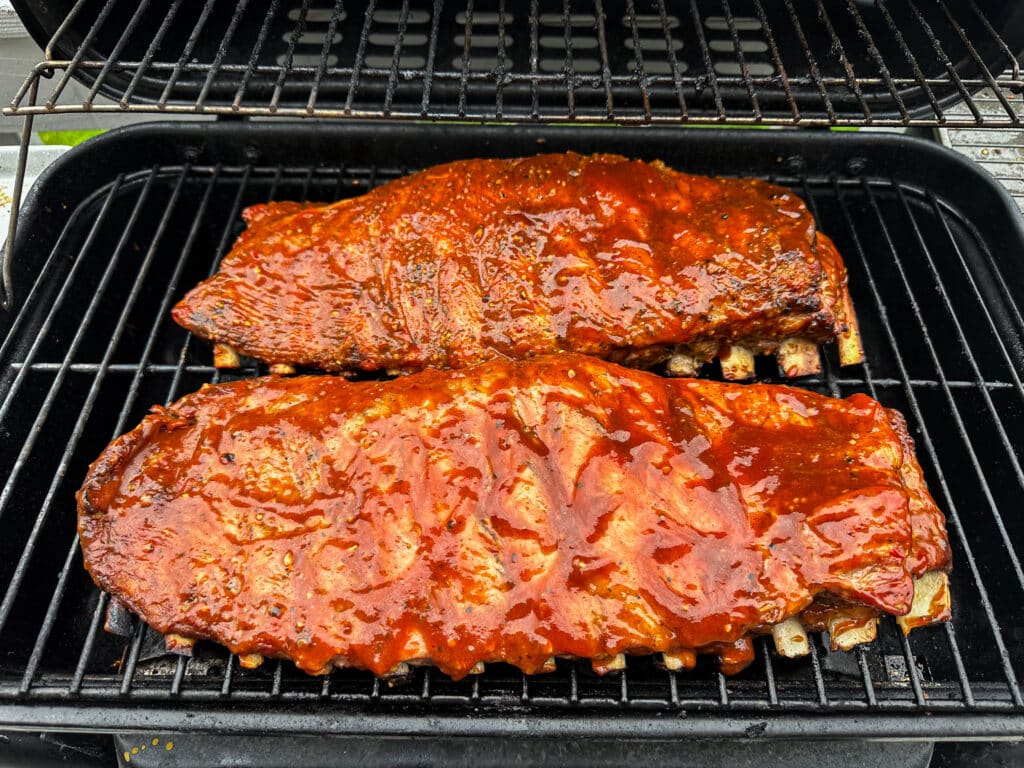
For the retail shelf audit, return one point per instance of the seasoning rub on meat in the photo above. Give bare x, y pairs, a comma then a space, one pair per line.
516, 512
462, 263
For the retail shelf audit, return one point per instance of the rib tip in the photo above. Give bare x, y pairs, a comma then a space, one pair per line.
931, 602
478, 668
225, 356
791, 639
847, 632
677, 660
250, 660
737, 363
282, 369
798, 357
682, 365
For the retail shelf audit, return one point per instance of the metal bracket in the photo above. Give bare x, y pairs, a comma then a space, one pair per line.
6, 270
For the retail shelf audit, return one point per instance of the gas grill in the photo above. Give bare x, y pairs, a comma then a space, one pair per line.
116, 230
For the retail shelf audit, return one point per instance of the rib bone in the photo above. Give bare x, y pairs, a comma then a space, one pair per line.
282, 369
225, 356
798, 357
737, 363
847, 632
851, 351
478, 668
931, 602
682, 365
679, 660
250, 660
791, 638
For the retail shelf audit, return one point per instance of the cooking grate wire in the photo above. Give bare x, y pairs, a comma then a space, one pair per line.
728, 62
863, 214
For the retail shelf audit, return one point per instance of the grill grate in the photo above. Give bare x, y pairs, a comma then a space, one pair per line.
92, 347
797, 62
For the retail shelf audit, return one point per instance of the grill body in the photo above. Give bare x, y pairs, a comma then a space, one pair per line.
117, 230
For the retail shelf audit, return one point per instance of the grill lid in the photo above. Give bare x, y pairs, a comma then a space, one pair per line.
797, 62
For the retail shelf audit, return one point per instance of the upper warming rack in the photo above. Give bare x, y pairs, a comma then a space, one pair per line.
769, 62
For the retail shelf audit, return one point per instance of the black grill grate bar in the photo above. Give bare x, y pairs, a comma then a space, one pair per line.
115, 54
915, 677
865, 674
133, 391
819, 678
638, 59
364, 37
467, 42
147, 57
780, 68
80, 52
965, 686
949, 506
229, 675
75, 686
63, 27
673, 61
52, 314
180, 665
723, 690
83, 415
812, 62
811, 381
979, 300
606, 71
962, 336
851, 77
49, 620
915, 66
44, 277
257, 48
289, 57
709, 66
936, 363
1014, 64
534, 59
428, 71
222, 50
876, 56
499, 72
396, 57
976, 57
325, 53
570, 70
946, 62
131, 662
958, 662
186, 54
742, 60
769, 672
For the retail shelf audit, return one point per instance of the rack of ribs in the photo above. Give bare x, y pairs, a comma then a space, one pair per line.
516, 511
477, 259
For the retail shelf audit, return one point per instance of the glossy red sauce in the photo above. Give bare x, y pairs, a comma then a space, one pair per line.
477, 259
514, 512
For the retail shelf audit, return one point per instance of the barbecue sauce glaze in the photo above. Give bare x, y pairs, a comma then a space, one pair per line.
479, 259
512, 512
